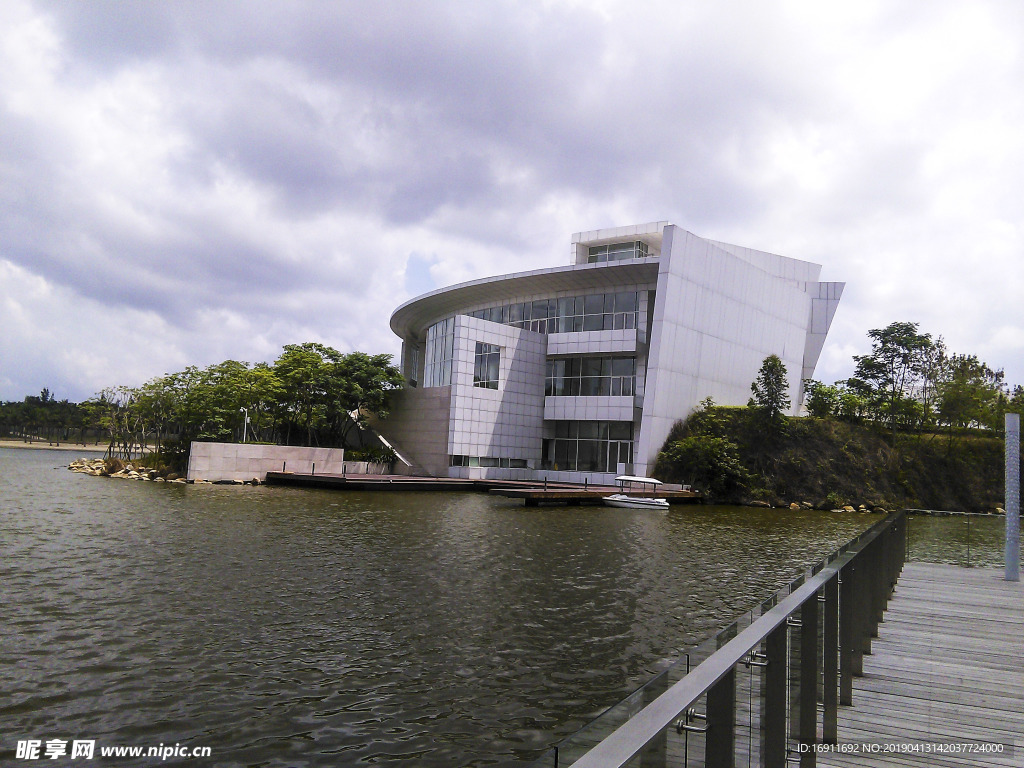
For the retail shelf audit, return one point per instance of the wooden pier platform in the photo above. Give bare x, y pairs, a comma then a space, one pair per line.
528, 490
536, 495
946, 668
395, 482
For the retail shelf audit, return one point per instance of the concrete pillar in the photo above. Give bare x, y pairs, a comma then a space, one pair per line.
1013, 497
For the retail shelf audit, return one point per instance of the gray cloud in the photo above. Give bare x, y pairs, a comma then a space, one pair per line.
243, 175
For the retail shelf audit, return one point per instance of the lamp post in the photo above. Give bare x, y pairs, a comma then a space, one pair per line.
245, 423
1012, 501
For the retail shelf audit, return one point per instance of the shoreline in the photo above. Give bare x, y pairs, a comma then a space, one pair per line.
41, 446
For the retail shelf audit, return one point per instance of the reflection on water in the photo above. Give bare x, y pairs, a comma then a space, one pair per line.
285, 627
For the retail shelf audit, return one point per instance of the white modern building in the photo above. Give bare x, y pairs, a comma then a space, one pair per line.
580, 371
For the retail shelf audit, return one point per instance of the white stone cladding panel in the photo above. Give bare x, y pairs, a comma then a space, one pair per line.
717, 316
506, 422
592, 342
780, 266
824, 301
418, 427
242, 461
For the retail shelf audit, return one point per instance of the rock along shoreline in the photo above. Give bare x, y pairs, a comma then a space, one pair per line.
123, 470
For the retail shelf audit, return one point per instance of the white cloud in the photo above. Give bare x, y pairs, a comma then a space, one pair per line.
236, 177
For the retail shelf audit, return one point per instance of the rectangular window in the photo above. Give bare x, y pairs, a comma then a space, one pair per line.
488, 461
636, 249
595, 376
486, 363
588, 446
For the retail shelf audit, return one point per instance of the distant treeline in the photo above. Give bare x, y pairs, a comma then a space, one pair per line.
311, 395
44, 417
911, 382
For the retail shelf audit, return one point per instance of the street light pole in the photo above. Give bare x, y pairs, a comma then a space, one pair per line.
1012, 501
245, 424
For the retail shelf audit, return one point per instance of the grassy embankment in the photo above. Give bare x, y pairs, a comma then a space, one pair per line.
828, 464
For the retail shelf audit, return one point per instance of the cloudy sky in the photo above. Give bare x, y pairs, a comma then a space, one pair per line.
186, 182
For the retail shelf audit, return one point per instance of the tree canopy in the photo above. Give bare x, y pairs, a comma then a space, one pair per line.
311, 395
771, 389
911, 382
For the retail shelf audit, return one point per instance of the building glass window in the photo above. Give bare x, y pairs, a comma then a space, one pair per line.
567, 314
437, 362
588, 446
414, 365
600, 376
636, 249
456, 460
485, 365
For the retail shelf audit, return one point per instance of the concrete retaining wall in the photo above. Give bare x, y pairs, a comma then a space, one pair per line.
237, 461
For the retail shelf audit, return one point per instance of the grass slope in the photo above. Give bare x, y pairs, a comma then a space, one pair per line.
830, 463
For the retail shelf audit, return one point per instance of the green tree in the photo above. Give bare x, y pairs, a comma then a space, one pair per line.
365, 384
822, 400
771, 390
113, 409
709, 463
306, 372
970, 393
893, 373
260, 393
1010, 403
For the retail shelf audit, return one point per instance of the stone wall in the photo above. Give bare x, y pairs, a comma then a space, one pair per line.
417, 426
244, 461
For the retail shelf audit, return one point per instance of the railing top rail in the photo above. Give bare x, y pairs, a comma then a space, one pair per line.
626, 741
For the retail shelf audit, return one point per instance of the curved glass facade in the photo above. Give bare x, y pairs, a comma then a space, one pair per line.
590, 312
437, 365
565, 314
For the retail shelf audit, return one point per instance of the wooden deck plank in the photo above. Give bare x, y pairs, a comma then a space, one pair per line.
947, 667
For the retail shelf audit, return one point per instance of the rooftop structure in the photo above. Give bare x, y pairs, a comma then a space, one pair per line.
579, 372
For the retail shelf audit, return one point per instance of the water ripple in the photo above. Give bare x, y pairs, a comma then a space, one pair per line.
304, 628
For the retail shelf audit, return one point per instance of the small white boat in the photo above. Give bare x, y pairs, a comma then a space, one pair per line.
634, 501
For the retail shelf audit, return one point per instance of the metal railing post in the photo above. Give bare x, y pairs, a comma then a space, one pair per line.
773, 699
830, 662
847, 637
888, 558
876, 586
721, 712
862, 612
808, 731
811, 653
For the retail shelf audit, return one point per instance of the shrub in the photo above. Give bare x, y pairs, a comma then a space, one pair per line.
709, 463
378, 454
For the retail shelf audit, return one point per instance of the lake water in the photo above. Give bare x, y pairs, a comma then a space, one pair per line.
284, 627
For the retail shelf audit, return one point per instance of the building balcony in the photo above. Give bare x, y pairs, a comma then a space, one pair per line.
589, 408
595, 342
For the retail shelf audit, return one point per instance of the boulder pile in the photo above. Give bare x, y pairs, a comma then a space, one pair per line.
824, 506
126, 471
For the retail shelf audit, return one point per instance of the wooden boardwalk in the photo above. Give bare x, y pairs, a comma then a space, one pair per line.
947, 667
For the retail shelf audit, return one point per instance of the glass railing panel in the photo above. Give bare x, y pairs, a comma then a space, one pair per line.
968, 540
686, 747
